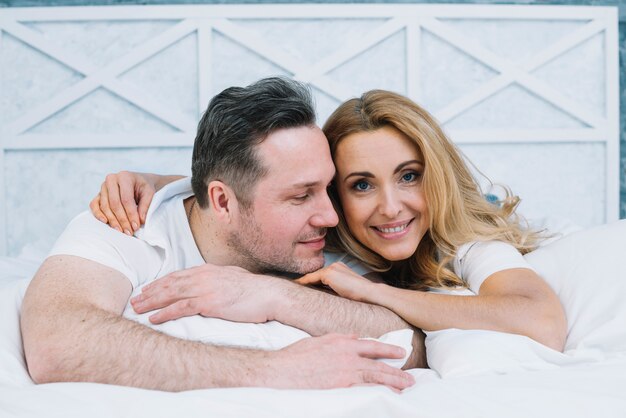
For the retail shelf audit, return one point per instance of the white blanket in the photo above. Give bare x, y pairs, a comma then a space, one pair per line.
474, 373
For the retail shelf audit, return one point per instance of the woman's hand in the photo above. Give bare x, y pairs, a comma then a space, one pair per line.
124, 199
345, 282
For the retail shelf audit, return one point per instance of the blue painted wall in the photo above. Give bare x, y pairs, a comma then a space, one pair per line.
621, 4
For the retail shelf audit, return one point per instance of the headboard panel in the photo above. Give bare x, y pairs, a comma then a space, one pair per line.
530, 93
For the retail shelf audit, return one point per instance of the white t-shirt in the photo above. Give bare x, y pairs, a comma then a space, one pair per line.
476, 261
354, 264
163, 245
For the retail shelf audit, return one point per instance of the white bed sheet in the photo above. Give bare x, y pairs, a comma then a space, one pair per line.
588, 380
596, 391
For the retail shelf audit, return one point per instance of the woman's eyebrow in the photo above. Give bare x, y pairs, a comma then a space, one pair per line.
404, 164
367, 174
359, 174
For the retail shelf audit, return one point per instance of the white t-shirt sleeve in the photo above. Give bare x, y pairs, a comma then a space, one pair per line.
355, 265
88, 238
475, 261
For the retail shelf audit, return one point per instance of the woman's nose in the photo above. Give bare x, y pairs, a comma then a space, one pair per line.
389, 204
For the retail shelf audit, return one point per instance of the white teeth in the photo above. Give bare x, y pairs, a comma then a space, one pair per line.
390, 230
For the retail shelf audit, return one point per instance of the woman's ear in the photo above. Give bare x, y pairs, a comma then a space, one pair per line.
222, 200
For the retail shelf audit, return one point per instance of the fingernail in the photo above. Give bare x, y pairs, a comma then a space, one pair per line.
118, 229
135, 226
102, 219
127, 232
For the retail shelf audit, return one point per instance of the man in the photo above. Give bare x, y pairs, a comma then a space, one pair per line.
260, 169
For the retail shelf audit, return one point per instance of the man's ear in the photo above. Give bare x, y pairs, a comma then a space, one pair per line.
222, 200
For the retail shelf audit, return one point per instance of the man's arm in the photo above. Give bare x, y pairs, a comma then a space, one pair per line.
318, 313
72, 330
235, 294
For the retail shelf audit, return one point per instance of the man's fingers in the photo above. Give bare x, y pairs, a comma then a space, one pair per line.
375, 350
172, 283
182, 308
154, 298
166, 291
382, 374
145, 303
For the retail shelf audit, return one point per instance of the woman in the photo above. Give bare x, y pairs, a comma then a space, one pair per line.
410, 209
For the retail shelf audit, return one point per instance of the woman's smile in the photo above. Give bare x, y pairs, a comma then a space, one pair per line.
379, 182
393, 230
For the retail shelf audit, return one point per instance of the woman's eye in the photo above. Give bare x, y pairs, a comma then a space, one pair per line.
361, 186
409, 177
301, 198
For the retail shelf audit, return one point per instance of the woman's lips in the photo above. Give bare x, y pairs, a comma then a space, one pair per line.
393, 230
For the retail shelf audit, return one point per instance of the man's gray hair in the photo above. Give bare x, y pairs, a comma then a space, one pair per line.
235, 122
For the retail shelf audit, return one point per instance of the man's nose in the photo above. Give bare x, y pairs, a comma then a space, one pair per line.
325, 216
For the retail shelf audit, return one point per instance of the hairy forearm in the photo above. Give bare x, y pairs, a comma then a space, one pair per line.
72, 330
93, 345
319, 313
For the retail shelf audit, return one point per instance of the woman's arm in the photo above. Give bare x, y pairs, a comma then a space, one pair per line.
124, 199
516, 300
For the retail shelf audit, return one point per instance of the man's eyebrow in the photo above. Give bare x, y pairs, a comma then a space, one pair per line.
305, 185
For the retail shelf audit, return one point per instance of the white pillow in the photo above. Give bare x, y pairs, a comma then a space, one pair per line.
271, 335
12, 361
587, 270
456, 352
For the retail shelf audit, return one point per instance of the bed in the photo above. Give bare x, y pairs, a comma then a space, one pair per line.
86, 91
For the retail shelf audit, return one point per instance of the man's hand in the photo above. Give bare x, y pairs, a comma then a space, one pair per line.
336, 360
225, 292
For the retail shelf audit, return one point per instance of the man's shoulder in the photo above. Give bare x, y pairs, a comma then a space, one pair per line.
88, 238
85, 233
85, 223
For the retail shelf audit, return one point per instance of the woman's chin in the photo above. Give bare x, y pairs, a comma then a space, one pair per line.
396, 255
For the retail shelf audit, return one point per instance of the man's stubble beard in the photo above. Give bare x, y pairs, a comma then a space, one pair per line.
260, 256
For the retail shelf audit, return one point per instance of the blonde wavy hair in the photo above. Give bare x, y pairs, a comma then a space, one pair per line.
458, 210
